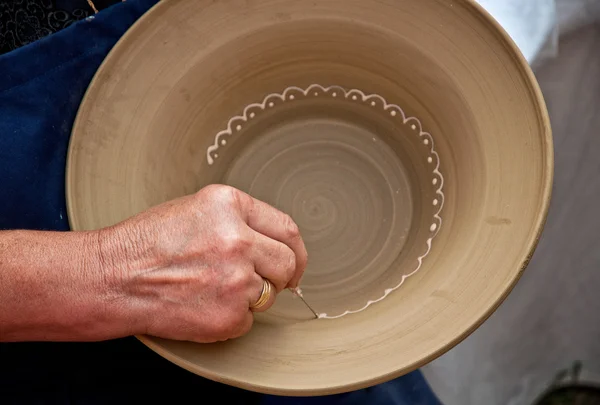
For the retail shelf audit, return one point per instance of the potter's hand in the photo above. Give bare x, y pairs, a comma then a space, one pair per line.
193, 267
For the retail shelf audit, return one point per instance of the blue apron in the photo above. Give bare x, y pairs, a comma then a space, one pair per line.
41, 86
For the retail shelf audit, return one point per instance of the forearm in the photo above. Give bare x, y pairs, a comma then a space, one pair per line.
57, 286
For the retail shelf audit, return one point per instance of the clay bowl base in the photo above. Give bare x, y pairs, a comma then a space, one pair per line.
356, 175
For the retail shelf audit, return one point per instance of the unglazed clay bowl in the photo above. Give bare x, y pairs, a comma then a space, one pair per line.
408, 139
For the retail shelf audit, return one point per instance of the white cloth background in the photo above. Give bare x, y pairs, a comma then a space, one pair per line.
549, 320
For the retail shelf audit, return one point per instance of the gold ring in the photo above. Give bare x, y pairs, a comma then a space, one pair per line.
265, 295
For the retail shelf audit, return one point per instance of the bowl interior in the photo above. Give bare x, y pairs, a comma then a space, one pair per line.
408, 140
354, 173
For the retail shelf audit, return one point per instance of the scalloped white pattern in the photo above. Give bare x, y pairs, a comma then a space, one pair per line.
236, 124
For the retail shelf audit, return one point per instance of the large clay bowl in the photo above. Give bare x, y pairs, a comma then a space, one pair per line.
408, 139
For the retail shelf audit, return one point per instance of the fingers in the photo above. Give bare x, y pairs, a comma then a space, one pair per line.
273, 260
243, 327
256, 293
279, 226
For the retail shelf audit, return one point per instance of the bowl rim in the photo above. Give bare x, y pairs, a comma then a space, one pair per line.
538, 223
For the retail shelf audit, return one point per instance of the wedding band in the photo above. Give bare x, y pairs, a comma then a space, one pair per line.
265, 295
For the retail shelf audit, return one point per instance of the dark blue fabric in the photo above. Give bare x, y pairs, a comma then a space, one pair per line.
41, 86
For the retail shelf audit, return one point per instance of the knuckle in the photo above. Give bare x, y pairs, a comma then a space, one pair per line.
289, 263
239, 282
290, 227
215, 188
220, 192
234, 244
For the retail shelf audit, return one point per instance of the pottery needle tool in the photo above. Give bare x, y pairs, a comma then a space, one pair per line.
298, 293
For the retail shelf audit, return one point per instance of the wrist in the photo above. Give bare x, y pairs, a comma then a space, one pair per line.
62, 286
120, 258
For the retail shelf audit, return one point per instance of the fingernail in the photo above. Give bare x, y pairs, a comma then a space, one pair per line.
296, 291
